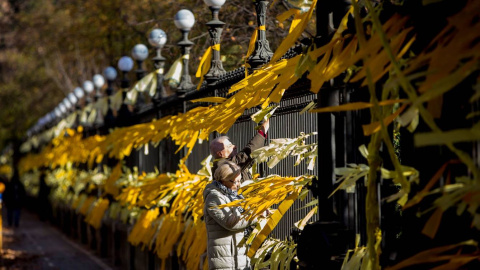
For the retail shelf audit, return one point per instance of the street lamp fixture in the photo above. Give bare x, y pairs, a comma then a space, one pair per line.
58, 112
79, 94
98, 82
157, 38
140, 53
88, 88
184, 20
215, 30
49, 117
65, 106
73, 99
111, 74
262, 53
62, 108
125, 64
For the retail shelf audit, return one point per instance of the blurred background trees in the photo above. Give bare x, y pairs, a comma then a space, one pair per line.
48, 47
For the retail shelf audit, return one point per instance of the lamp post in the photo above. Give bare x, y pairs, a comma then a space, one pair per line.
98, 82
67, 105
49, 118
73, 101
58, 112
215, 30
140, 53
125, 64
62, 107
262, 53
79, 94
184, 20
88, 88
157, 38
111, 74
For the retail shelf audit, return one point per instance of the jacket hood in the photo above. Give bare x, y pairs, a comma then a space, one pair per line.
208, 189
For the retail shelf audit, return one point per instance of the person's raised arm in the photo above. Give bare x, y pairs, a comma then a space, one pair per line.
264, 127
243, 157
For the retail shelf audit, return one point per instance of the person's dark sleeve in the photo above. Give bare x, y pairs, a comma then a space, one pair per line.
243, 157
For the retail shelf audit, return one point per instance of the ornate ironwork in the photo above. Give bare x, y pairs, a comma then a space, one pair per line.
262, 53
124, 115
109, 119
185, 81
159, 63
140, 73
99, 114
215, 30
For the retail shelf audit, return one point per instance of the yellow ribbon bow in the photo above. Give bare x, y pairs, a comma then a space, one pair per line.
204, 65
251, 45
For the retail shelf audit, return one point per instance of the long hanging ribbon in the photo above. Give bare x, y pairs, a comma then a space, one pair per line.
175, 72
251, 45
287, 14
84, 113
92, 116
204, 65
299, 23
116, 100
148, 82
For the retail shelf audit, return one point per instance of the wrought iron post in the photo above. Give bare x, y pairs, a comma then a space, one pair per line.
140, 53
111, 75
124, 115
215, 30
185, 81
159, 63
157, 38
98, 82
184, 20
262, 53
326, 152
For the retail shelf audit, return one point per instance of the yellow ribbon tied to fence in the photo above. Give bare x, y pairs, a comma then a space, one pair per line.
204, 65
299, 23
175, 72
251, 45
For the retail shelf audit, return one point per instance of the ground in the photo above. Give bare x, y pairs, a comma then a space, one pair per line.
38, 245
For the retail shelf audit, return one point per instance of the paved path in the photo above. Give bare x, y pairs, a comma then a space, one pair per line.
38, 245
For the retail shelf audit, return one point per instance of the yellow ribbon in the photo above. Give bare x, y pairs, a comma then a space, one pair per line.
175, 72
287, 14
204, 65
251, 45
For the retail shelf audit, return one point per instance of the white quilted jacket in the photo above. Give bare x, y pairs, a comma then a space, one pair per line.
225, 229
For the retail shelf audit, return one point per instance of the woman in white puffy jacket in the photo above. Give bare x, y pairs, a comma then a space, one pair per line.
225, 226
